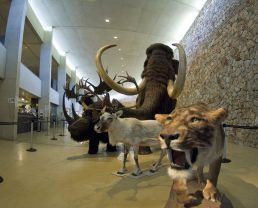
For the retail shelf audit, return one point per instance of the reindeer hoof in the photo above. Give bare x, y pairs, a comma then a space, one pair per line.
152, 171
121, 172
137, 174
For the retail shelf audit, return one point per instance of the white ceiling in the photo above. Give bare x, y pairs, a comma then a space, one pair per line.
79, 29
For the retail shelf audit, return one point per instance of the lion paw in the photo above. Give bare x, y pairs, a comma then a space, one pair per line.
210, 193
186, 199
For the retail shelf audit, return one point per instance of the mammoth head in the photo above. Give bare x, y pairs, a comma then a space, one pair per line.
160, 49
160, 59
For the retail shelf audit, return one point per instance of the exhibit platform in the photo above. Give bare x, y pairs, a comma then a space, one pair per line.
60, 174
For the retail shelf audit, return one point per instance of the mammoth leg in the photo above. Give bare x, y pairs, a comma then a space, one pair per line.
144, 150
111, 148
93, 146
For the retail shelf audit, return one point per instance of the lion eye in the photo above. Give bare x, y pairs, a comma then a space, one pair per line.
195, 119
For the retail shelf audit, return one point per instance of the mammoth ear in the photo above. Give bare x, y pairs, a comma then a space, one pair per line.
161, 118
218, 115
119, 113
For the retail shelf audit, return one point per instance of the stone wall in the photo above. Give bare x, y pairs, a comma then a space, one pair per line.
222, 54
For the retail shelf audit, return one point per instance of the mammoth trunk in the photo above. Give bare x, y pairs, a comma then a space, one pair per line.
154, 99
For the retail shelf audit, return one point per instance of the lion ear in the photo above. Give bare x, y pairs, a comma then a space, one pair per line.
218, 115
161, 118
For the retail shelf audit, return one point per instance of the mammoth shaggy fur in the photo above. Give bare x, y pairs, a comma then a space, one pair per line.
159, 67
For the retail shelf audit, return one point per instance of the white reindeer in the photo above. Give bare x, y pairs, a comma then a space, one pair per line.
130, 132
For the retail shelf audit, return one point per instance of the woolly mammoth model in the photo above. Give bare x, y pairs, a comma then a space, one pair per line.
159, 88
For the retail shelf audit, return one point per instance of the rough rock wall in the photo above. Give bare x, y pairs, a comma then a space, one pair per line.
222, 54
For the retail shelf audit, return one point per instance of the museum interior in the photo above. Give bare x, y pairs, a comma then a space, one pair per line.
128, 103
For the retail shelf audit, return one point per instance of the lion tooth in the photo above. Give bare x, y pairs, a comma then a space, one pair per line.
188, 158
169, 154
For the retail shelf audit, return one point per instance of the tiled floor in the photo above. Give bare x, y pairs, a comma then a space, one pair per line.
60, 175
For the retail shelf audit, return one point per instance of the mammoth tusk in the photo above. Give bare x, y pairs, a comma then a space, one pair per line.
174, 89
170, 87
102, 73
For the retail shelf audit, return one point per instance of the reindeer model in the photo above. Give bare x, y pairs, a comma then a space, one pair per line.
130, 132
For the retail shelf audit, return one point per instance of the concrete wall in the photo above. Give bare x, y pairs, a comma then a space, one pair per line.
29, 81
2, 60
222, 54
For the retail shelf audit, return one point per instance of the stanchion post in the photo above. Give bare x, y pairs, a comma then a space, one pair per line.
54, 130
225, 159
31, 149
62, 128
47, 127
38, 125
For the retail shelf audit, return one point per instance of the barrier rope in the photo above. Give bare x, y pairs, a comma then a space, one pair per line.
239, 126
28, 122
36, 120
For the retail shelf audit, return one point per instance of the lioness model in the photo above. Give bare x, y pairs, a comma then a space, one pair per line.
193, 135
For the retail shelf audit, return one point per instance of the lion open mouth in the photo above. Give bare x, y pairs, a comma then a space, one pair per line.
182, 160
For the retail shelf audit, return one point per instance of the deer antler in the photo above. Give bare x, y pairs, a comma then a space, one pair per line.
102, 88
128, 78
70, 93
83, 85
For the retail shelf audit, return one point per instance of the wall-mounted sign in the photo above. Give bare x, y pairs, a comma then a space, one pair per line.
13, 100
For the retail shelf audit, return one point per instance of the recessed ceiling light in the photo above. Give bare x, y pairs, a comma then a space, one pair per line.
115, 37
119, 49
107, 20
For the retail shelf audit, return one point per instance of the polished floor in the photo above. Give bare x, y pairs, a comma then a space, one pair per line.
61, 175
